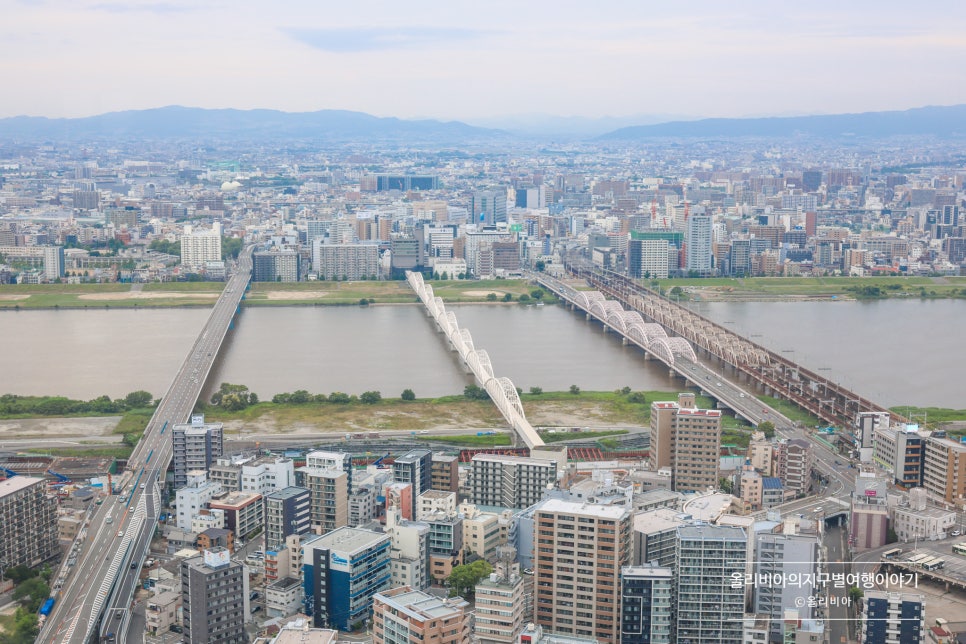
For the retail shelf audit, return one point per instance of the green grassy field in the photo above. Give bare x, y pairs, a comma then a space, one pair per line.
818, 287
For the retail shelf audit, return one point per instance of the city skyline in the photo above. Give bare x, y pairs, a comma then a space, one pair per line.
421, 60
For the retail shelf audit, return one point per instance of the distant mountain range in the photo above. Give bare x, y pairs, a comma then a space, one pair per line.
176, 122
190, 122
938, 121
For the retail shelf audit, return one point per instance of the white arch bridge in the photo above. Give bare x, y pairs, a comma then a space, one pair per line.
647, 335
501, 390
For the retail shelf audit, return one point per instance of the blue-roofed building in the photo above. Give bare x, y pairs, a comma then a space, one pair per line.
772, 492
342, 570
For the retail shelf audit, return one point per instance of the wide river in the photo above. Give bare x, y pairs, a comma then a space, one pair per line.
893, 352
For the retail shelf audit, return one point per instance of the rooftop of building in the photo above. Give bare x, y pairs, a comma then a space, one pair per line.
414, 455
707, 413
434, 495
651, 570
708, 507
236, 500
322, 453
659, 520
289, 492
420, 606
771, 483
299, 632
505, 458
586, 509
445, 458
284, 583
708, 532
17, 483
322, 472
348, 540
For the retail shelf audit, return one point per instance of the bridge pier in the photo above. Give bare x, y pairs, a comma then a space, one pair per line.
624, 341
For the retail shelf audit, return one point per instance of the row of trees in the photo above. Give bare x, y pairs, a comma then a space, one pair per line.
11, 405
302, 397
233, 397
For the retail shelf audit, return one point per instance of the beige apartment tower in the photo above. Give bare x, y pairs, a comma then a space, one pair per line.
688, 440
580, 548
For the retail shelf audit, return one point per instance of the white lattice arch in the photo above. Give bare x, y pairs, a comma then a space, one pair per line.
598, 310
467, 340
654, 331
681, 347
617, 321
636, 333
632, 317
662, 350
479, 362
453, 326
510, 392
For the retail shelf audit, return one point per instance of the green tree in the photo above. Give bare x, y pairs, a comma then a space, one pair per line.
537, 294
363, 302
508, 297
300, 397
536, 391
637, 398
491, 297
463, 579
625, 391
370, 397
767, 427
524, 297
32, 593
539, 265
725, 484
408, 394
339, 398
231, 247
475, 393
139, 398
574, 389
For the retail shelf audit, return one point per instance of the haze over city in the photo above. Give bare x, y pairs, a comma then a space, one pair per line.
473, 63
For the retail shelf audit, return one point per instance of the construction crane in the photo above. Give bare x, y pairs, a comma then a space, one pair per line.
380, 459
60, 477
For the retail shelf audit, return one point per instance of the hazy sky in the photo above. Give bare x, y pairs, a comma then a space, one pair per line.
463, 60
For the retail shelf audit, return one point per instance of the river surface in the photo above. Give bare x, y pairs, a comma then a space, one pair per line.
893, 352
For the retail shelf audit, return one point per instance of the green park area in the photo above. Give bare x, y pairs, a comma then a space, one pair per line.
783, 288
313, 293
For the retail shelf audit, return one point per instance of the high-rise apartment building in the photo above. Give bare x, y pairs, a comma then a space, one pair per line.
445, 472
343, 570
214, 598
200, 246
698, 245
689, 440
29, 519
785, 556
276, 266
648, 258
579, 551
944, 471
329, 492
708, 607
415, 467
500, 604
646, 601
407, 616
892, 618
244, 512
345, 261
287, 512
796, 466
510, 481
195, 446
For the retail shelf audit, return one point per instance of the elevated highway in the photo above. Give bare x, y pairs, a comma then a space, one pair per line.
113, 546
501, 390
